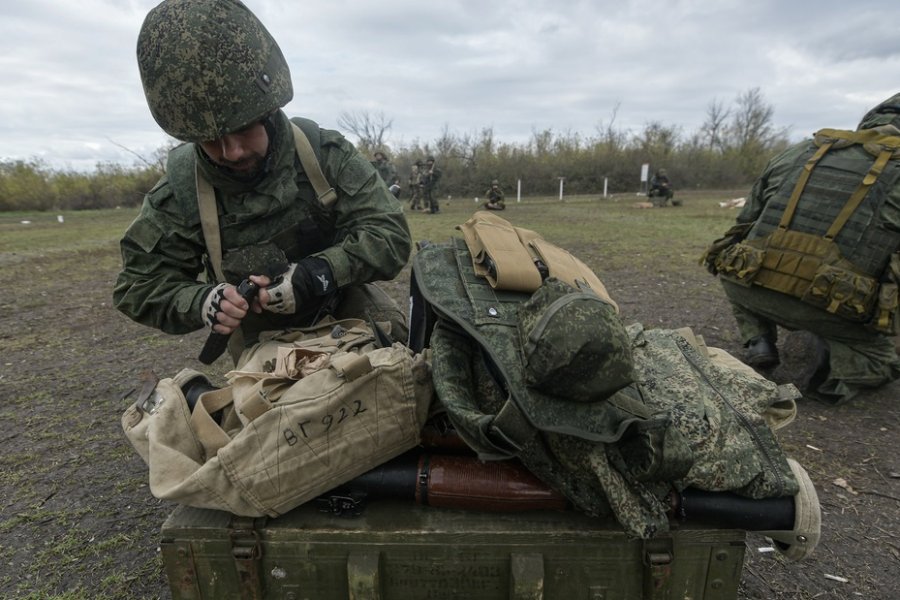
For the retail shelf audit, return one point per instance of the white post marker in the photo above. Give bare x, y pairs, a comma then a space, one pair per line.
518, 190
645, 177
561, 180
605, 185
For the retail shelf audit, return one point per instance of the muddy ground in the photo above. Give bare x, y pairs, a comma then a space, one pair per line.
78, 520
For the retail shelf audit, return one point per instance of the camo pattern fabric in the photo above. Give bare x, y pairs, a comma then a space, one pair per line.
683, 422
209, 67
363, 236
719, 411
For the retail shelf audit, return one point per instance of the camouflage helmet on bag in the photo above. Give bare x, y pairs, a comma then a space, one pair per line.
886, 113
209, 67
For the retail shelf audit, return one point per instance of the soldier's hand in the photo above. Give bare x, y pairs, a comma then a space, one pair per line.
223, 308
303, 282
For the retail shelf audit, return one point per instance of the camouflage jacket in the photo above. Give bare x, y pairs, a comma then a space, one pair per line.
165, 273
683, 421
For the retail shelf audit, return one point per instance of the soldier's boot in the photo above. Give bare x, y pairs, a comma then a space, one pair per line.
799, 542
762, 352
817, 372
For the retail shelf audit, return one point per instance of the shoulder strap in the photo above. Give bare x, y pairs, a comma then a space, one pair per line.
209, 222
324, 192
886, 147
206, 197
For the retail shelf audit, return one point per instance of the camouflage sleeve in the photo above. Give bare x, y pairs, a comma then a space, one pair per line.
374, 240
161, 260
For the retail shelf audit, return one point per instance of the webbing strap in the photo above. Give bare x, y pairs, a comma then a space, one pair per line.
859, 194
209, 433
209, 222
324, 192
801, 184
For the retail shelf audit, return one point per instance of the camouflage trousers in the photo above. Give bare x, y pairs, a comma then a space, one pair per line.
859, 359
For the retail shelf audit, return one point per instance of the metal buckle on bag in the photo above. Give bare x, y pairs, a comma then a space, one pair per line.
342, 505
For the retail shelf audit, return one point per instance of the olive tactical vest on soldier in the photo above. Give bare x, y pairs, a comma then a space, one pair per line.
820, 238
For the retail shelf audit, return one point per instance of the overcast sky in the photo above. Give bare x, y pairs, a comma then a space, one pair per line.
70, 92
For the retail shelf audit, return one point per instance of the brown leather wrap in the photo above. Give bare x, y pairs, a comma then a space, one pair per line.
467, 483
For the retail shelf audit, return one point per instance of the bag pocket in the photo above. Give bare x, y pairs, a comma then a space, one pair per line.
740, 263
842, 292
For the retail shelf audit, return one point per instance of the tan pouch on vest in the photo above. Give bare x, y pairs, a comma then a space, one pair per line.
506, 256
498, 254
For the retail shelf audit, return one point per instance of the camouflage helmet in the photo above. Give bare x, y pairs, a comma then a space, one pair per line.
209, 67
886, 113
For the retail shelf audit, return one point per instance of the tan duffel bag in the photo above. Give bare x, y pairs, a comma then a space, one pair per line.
303, 414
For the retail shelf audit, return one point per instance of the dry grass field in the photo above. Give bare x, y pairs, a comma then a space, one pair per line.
77, 521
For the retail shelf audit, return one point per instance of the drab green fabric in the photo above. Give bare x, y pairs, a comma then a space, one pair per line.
683, 422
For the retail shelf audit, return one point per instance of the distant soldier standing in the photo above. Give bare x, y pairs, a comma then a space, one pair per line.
415, 186
430, 179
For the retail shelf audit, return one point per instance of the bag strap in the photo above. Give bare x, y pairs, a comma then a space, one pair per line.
209, 433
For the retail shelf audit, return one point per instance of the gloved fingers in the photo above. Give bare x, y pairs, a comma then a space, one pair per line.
279, 296
223, 308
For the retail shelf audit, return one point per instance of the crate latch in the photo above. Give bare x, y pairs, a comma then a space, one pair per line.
364, 575
526, 576
658, 556
246, 549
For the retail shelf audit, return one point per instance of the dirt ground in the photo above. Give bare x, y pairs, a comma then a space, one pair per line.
78, 520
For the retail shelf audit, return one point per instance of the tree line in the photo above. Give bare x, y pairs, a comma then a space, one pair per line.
729, 150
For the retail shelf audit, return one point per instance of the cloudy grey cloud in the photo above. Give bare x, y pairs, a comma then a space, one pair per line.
70, 92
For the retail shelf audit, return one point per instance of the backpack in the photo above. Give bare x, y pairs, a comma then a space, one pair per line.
834, 254
304, 412
612, 417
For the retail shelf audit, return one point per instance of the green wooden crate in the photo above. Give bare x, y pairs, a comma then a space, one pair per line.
398, 551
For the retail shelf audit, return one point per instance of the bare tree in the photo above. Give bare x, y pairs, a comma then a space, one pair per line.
369, 128
751, 126
611, 137
714, 126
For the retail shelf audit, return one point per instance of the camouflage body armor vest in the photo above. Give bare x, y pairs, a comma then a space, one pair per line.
510, 369
831, 253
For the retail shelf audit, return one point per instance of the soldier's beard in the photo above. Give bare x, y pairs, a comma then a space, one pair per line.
246, 168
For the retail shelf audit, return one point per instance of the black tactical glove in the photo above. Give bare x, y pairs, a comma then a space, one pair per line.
304, 281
